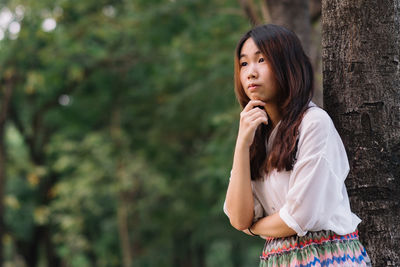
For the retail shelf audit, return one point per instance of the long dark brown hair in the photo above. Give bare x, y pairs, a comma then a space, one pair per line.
294, 75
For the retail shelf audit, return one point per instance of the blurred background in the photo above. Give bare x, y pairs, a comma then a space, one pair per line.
118, 124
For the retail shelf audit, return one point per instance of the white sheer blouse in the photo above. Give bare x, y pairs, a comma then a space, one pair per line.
313, 196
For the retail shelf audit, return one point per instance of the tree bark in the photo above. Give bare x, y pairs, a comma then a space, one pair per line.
7, 90
361, 52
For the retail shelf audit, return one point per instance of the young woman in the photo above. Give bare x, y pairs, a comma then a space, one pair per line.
289, 166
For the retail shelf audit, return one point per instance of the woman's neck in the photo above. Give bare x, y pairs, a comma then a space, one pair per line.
274, 114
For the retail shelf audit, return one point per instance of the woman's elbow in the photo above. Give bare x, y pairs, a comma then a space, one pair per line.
240, 224
239, 219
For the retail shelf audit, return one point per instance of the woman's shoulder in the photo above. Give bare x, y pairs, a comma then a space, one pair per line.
316, 121
316, 113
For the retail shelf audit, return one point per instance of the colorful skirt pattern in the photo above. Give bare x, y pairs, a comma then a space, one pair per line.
322, 248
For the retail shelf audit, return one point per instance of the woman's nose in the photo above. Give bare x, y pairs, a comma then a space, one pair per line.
252, 73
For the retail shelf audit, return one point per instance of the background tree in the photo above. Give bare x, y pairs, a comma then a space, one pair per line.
120, 133
6, 94
362, 94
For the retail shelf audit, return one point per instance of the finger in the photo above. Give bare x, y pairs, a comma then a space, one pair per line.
253, 103
256, 117
254, 122
256, 113
252, 112
258, 121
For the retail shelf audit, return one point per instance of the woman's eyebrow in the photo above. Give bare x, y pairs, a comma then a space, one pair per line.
244, 55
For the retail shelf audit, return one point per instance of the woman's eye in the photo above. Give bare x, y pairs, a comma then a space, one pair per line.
261, 60
243, 64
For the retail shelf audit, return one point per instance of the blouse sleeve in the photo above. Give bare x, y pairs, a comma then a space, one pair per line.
317, 179
258, 209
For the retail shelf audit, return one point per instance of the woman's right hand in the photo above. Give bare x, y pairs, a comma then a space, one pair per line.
250, 118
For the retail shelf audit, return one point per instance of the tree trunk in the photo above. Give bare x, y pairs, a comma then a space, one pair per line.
124, 191
362, 94
6, 89
41, 236
183, 253
35, 142
293, 14
123, 231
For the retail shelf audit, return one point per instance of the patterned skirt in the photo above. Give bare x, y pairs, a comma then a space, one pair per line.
322, 248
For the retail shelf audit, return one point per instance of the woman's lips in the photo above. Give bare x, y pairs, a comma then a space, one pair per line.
252, 87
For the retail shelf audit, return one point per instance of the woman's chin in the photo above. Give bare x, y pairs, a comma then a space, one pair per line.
256, 98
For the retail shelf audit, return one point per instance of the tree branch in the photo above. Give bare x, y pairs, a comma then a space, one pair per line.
248, 8
7, 88
315, 10
265, 11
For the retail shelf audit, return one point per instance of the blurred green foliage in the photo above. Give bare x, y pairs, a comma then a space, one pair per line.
121, 133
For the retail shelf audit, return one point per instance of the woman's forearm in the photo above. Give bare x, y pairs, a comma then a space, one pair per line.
239, 197
272, 226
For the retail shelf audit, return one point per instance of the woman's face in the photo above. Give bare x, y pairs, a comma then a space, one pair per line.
256, 75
